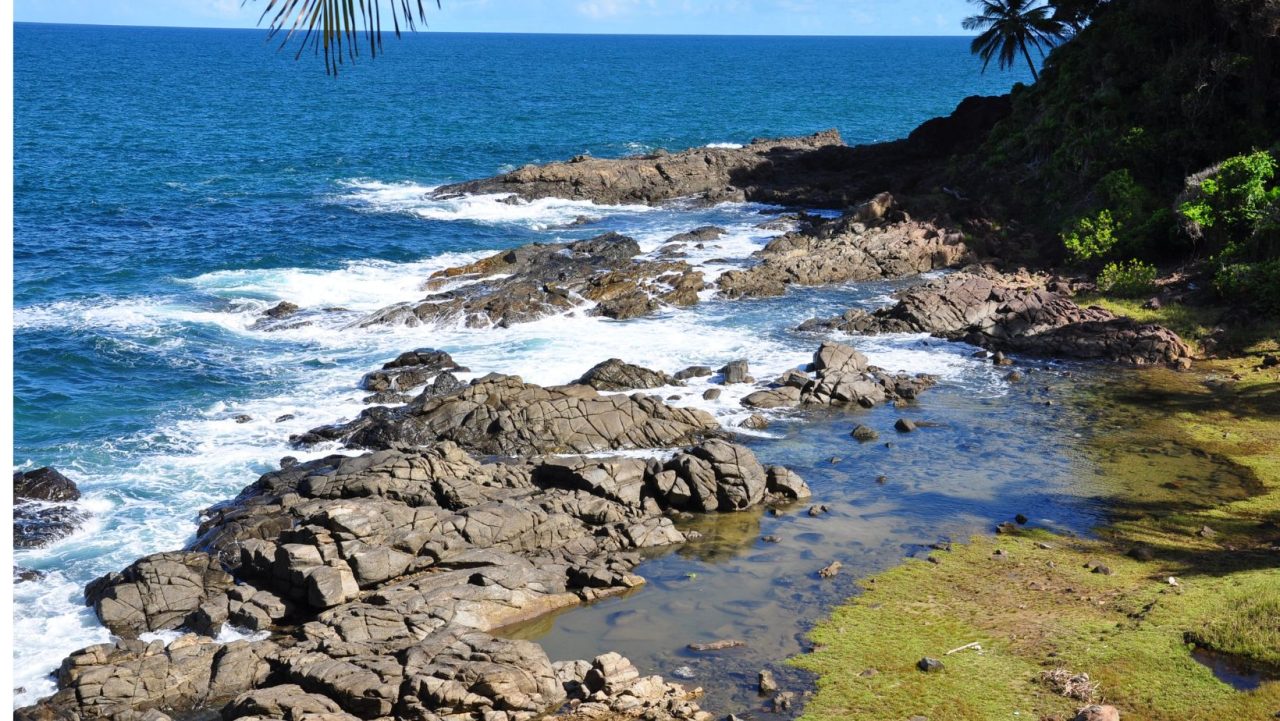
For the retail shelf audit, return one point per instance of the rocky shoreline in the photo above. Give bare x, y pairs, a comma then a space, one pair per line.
371, 586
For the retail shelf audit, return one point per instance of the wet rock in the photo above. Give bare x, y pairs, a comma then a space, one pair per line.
601, 274
818, 510
693, 372
242, 418
1008, 313
287, 701
503, 415
871, 242
411, 370
929, 665
698, 235
843, 378
831, 570
616, 375
755, 421
863, 433
43, 484
838, 358
736, 372
783, 701
1020, 519
904, 425
22, 574
784, 482
285, 417
283, 309
766, 683
37, 524
718, 645
711, 394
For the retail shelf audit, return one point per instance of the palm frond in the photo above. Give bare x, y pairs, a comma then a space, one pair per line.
335, 27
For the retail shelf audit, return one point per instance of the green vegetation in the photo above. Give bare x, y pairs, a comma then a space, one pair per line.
339, 28
1128, 279
1192, 480
1114, 138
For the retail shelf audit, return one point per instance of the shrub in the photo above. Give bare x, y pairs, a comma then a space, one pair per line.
1131, 279
1091, 238
1234, 207
1251, 284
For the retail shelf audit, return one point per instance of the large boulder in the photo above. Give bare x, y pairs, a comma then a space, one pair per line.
1014, 313
617, 375
43, 484
842, 377
870, 242
159, 592
43, 510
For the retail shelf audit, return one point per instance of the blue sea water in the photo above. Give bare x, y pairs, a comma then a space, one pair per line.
170, 184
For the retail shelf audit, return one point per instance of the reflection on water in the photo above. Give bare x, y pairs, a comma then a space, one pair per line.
981, 460
1233, 670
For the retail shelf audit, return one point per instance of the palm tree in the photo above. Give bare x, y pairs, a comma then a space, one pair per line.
336, 25
1010, 26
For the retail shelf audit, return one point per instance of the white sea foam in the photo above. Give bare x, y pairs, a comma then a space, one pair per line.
726, 146
489, 209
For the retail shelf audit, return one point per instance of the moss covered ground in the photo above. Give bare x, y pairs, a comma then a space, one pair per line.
1190, 478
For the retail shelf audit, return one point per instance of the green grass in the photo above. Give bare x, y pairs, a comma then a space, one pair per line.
1196, 323
1035, 608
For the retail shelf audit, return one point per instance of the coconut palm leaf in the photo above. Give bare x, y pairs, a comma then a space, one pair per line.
1010, 27
339, 27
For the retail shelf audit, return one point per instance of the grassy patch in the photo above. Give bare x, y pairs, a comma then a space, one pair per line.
1198, 323
1191, 471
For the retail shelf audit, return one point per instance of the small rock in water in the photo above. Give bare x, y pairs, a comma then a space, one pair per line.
736, 372
693, 372
771, 539
882, 480
818, 510
755, 422
830, 570
1021, 519
767, 683
783, 701
719, 645
711, 394
1014, 377
863, 433
684, 673
243, 418
904, 425
283, 309
1000, 359
929, 665
285, 417
834, 460
288, 462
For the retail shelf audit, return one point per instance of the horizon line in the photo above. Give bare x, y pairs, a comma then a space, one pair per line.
427, 31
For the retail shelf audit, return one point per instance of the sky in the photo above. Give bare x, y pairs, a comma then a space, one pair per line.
734, 17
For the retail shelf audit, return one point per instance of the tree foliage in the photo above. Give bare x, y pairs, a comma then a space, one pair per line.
1009, 27
339, 28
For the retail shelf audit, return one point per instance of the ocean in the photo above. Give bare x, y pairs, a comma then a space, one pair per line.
171, 184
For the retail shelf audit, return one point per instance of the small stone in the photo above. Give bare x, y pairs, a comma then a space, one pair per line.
285, 417
882, 480
830, 570
929, 665
767, 683
1014, 377
711, 394
1142, 553
1206, 532
869, 673
904, 425
684, 673
1102, 569
243, 418
1021, 519
755, 422
863, 433
818, 510
834, 460
719, 645
783, 701
771, 539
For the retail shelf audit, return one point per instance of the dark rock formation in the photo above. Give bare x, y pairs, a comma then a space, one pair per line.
765, 170
616, 375
842, 376
873, 241
503, 415
42, 507
1017, 314
538, 280
381, 578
